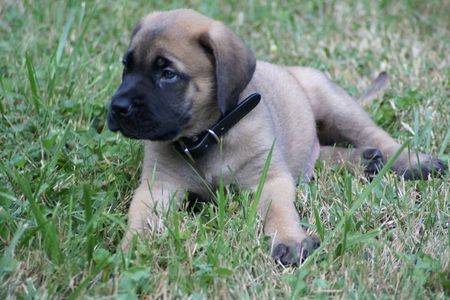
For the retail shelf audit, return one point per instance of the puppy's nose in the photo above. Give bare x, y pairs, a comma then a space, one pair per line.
121, 106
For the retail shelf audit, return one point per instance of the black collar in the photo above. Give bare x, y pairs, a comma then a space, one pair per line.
198, 145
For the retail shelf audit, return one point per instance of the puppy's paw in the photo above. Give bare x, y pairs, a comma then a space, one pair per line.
372, 161
426, 167
295, 253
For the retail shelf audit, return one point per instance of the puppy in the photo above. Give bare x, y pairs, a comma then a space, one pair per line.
185, 74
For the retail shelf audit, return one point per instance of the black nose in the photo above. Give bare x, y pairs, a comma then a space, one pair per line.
121, 106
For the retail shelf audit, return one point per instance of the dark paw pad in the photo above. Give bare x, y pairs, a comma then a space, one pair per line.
372, 160
295, 253
433, 167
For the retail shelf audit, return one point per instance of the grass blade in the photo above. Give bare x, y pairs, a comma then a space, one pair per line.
2, 86
33, 82
47, 228
87, 280
51, 165
444, 142
15, 240
318, 221
7, 261
63, 37
254, 206
90, 243
362, 197
221, 197
359, 238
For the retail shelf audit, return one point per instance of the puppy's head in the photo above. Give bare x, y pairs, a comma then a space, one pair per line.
182, 70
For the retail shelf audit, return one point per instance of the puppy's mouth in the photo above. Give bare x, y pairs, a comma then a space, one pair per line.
112, 123
145, 129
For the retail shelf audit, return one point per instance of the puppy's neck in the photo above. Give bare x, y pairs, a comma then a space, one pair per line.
198, 145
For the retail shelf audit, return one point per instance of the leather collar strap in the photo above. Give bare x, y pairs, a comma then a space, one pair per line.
196, 146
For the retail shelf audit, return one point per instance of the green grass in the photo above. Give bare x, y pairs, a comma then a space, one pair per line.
66, 181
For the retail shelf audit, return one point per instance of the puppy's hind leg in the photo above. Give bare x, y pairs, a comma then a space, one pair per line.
342, 119
371, 159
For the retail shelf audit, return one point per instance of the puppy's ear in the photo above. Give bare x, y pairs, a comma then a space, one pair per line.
234, 62
136, 29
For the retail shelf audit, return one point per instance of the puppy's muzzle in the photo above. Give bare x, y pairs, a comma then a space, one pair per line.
121, 108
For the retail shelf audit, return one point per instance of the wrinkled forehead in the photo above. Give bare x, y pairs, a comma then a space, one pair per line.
149, 43
173, 35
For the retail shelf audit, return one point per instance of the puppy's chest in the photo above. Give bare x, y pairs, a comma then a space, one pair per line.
214, 168
233, 168
241, 157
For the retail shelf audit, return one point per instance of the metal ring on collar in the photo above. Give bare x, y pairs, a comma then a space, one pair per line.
214, 135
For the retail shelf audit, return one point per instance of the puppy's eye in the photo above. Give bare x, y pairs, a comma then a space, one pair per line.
169, 75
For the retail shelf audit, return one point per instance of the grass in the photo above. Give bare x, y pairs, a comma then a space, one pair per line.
66, 181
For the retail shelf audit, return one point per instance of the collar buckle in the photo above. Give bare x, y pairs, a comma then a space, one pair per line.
198, 145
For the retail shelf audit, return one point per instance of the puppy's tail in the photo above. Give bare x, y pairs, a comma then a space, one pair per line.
378, 86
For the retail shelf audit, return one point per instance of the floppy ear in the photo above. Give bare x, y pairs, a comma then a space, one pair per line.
136, 29
234, 62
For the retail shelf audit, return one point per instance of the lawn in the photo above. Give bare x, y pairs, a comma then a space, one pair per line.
66, 180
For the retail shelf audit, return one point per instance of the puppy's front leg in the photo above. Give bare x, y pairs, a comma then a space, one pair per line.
147, 208
290, 243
